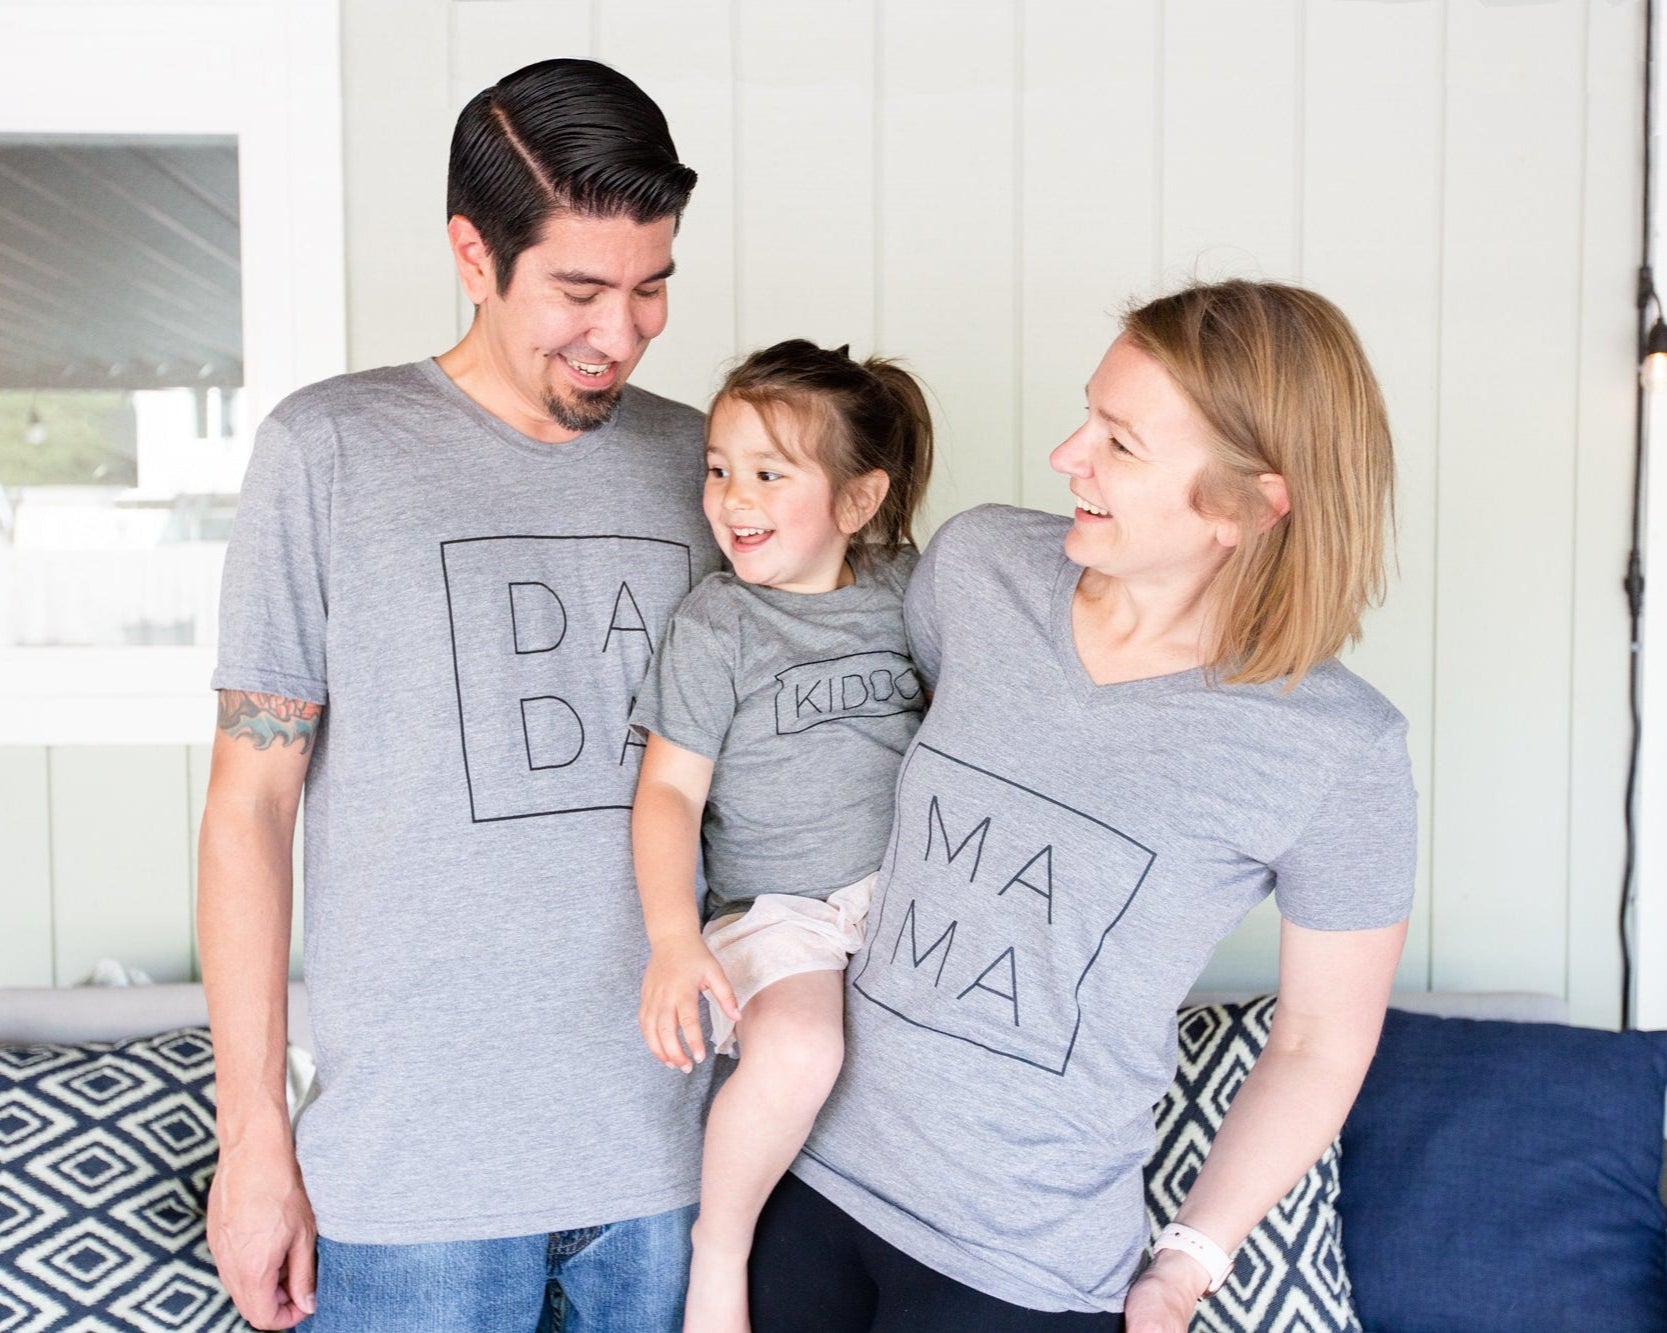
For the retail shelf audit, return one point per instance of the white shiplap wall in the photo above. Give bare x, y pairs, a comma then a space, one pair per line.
978, 187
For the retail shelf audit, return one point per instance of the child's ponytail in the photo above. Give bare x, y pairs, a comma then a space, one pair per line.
907, 453
859, 416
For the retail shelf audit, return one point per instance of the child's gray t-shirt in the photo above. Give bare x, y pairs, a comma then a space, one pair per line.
805, 703
476, 609
1065, 858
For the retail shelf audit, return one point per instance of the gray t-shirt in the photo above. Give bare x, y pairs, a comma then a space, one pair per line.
805, 703
476, 608
1065, 859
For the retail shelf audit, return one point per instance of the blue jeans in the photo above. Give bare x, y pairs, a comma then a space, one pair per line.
625, 1277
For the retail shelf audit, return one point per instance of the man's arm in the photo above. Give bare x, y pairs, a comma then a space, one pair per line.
260, 1225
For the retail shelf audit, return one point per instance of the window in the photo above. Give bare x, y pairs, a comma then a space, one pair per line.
121, 378
171, 265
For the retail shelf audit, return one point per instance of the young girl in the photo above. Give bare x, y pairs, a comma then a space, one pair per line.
777, 711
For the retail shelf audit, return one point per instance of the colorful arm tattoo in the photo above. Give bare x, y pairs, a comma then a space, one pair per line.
265, 718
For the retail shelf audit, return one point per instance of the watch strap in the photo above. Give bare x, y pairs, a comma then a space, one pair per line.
1189, 1240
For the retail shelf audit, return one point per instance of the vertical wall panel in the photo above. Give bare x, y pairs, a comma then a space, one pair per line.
120, 858
1510, 346
948, 272
682, 57
26, 871
804, 123
1230, 139
311, 100
1371, 241
1369, 230
396, 130
492, 38
1611, 198
1089, 200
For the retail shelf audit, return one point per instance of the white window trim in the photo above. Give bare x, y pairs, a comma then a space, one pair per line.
268, 72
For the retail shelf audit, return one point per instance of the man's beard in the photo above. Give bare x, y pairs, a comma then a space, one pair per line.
588, 409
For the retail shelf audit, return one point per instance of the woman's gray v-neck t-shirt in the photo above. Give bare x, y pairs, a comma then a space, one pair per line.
1064, 860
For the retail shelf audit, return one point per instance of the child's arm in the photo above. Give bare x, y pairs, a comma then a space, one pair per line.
665, 836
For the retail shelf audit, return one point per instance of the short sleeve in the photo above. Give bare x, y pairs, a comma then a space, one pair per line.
274, 593
1354, 863
688, 695
920, 613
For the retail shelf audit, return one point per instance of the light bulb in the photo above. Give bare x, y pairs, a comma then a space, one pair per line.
35, 432
1653, 373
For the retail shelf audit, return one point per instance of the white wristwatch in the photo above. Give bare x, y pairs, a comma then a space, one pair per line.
1215, 1260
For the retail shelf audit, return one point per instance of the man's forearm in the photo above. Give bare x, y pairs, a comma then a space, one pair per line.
243, 923
244, 898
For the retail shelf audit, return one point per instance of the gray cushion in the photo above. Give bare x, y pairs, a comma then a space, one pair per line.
73, 1015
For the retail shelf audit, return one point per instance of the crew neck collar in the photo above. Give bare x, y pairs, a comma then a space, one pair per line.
569, 451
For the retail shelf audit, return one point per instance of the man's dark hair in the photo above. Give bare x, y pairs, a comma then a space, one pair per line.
560, 136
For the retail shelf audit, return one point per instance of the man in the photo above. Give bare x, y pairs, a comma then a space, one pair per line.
444, 586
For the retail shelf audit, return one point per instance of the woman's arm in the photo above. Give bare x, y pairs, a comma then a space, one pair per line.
1333, 990
665, 839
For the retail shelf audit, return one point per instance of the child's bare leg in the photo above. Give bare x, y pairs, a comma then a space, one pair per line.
792, 1043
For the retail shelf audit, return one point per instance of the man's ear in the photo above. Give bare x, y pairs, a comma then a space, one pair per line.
860, 500
474, 264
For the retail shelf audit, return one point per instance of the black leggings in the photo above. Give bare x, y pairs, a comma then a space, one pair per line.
815, 1270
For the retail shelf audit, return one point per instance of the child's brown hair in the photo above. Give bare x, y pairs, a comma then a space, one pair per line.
857, 417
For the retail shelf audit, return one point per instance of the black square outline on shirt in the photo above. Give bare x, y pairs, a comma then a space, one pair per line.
1076, 990
457, 675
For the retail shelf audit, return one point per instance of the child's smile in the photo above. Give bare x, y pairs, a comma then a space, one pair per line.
749, 539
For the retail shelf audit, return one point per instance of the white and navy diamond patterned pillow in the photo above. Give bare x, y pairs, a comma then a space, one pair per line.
106, 1153
1289, 1277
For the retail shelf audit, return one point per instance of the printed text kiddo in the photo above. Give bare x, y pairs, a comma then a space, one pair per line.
777, 710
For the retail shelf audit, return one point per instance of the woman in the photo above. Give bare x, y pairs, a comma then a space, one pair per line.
1139, 729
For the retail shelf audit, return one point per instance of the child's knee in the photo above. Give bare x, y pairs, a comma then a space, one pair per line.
805, 1061
816, 1062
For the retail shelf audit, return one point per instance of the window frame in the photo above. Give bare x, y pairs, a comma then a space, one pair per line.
267, 72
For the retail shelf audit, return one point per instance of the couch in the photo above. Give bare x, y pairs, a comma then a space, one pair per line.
1501, 1170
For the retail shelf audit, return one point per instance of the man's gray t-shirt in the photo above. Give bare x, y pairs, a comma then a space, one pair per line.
1065, 858
476, 609
805, 702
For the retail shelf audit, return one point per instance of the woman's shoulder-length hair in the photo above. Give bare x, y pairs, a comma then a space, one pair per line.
1280, 376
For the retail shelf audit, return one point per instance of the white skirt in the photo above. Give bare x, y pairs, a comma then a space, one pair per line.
780, 936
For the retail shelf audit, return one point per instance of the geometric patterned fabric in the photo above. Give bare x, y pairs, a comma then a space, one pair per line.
1289, 1275
106, 1153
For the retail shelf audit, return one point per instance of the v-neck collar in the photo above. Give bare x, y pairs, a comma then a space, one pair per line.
1071, 663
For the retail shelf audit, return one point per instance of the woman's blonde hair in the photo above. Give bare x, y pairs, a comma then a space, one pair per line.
1280, 376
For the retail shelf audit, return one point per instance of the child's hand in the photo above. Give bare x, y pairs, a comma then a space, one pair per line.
678, 971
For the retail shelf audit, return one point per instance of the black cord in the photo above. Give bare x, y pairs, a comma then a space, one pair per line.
1633, 583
